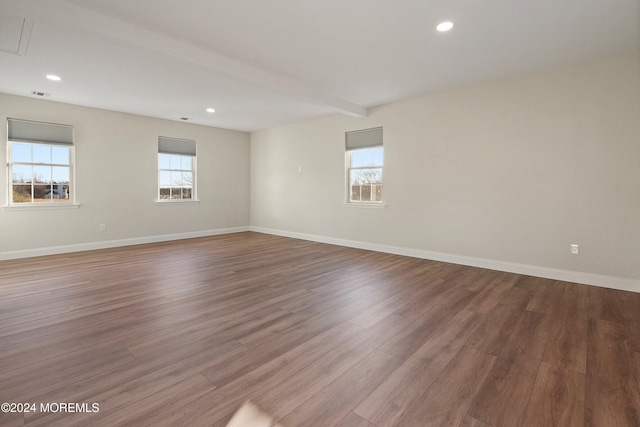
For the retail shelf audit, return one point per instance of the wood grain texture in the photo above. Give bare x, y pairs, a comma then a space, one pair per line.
557, 398
504, 396
613, 389
334, 402
185, 332
568, 336
459, 382
354, 420
404, 387
472, 422
297, 389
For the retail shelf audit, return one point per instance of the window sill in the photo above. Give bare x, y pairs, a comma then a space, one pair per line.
177, 202
41, 206
364, 205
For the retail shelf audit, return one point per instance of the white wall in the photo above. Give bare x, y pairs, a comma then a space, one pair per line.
511, 171
116, 181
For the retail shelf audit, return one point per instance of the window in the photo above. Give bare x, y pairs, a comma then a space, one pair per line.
365, 159
176, 169
40, 163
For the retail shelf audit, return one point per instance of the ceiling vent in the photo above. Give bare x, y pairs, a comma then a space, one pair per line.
15, 32
36, 93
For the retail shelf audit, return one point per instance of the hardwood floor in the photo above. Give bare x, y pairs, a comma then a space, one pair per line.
184, 332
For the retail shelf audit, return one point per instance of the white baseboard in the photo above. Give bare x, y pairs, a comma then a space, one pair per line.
510, 267
53, 250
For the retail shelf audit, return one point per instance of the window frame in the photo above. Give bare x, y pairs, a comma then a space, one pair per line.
42, 142
360, 140
180, 148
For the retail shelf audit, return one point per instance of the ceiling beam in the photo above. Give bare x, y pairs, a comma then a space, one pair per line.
68, 14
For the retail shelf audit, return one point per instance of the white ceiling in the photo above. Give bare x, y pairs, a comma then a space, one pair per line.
264, 63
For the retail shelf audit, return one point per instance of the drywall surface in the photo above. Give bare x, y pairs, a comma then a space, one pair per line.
515, 171
116, 177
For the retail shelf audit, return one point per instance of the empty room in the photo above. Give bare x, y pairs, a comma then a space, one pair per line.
320, 213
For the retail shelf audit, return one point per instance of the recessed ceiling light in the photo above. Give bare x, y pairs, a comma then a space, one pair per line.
444, 26
211, 110
53, 77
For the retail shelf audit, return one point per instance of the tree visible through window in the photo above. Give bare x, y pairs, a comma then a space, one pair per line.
176, 169
175, 176
39, 173
365, 174
40, 162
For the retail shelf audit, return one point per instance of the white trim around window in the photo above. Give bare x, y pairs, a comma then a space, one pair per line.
40, 165
177, 178
364, 163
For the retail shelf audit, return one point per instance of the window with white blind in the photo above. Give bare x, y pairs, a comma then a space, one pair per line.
176, 169
40, 163
365, 161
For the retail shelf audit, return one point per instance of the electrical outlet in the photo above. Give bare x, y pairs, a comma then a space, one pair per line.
575, 249
103, 227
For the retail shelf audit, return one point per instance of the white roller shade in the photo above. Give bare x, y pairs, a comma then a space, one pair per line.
39, 132
183, 147
363, 139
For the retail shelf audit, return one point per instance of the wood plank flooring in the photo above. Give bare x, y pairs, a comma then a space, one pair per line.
184, 332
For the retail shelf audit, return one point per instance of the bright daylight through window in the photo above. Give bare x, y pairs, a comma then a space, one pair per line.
40, 163
176, 169
365, 160
39, 173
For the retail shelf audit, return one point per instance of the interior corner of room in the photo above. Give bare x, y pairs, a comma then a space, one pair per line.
505, 175
319, 213
527, 165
